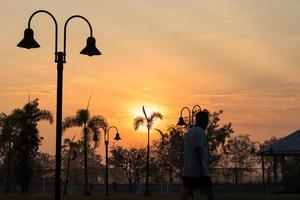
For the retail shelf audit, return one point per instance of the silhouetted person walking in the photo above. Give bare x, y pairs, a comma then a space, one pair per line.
195, 167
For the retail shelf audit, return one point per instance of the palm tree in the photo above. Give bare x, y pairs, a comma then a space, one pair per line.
27, 137
148, 122
72, 149
91, 126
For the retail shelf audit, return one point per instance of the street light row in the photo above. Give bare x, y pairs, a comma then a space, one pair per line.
90, 49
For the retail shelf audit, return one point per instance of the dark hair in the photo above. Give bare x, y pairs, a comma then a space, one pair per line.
202, 118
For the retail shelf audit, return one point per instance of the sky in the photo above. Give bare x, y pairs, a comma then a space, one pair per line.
238, 56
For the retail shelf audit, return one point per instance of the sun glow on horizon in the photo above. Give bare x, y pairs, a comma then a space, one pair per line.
237, 56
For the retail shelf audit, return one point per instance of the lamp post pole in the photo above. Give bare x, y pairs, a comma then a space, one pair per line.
106, 142
58, 125
29, 42
106, 168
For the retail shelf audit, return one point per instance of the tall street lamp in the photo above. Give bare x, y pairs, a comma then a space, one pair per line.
191, 116
29, 42
106, 142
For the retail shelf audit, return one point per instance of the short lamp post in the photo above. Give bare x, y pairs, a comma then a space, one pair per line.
262, 154
29, 42
191, 116
106, 142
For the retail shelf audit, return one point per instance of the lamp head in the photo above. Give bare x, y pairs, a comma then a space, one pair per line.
95, 137
90, 49
28, 41
181, 122
117, 137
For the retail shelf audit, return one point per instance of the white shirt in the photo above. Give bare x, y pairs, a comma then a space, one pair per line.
191, 167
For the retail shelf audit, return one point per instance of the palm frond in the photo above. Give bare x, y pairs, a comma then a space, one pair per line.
138, 121
43, 115
144, 111
160, 132
155, 115
18, 115
96, 122
163, 136
70, 122
82, 115
67, 141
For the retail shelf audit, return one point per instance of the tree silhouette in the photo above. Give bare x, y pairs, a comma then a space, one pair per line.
76, 167
170, 151
27, 139
217, 135
130, 161
237, 152
171, 148
7, 132
148, 122
91, 126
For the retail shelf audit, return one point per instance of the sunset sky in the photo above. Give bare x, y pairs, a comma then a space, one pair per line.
239, 56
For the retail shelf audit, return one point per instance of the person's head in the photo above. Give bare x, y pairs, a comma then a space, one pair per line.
202, 119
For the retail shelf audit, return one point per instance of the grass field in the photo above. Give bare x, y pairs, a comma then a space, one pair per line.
241, 196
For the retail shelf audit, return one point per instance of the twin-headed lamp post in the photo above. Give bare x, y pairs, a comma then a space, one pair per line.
29, 42
191, 116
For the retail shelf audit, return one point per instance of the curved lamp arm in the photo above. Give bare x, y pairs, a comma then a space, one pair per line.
194, 111
188, 111
55, 22
195, 107
65, 31
107, 137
